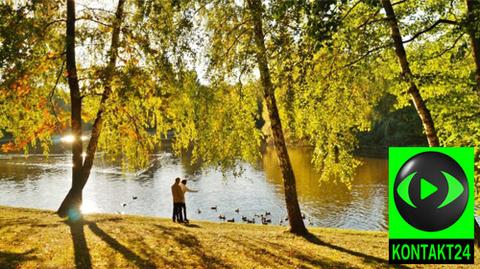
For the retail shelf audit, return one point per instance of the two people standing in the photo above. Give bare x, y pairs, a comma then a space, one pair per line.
179, 188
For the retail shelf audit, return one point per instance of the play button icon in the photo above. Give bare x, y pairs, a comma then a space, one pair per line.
426, 189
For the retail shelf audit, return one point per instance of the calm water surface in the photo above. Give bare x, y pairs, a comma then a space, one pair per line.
39, 182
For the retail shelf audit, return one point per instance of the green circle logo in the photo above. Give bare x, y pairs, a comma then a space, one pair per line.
431, 191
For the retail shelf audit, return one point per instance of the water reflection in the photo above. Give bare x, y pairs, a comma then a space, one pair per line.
364, 206
41, 182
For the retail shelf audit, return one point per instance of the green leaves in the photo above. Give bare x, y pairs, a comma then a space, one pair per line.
187, 68
28, 73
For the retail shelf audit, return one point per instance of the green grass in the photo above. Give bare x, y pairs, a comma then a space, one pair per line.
32, 238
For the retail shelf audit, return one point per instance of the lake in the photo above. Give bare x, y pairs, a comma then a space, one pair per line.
38, 182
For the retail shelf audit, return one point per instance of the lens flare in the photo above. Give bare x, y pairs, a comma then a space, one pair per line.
88, 206
68, 139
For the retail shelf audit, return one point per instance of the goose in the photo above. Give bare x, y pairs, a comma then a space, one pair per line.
237, 210
221, 216
213, 208
199, 211
124, 204
267, 213
134, 197
244, 218
231, 220
251, 221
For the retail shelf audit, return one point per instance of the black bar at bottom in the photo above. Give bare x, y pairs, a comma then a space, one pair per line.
430, 251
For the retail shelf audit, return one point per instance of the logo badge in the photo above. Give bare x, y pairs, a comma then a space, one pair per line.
431, 205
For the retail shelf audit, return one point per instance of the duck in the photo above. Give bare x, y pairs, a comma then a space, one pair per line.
231, 220
237, 210
221, 216
213, 208
199, 211
267, 213
251, 221
244, 218
124, 204
266, 220
134, 197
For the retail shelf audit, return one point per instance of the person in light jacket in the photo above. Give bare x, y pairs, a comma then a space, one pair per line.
182, 205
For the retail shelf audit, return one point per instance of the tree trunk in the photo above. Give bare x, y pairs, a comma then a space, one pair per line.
420, 106
107, 79
74, 196
417, 99
293, 209
473, 11
81, 169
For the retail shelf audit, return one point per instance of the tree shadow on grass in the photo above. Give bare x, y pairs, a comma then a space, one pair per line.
189, 241
28, 222
80, 248
262, 254
82, 253
367, 258
114, 244
13, 260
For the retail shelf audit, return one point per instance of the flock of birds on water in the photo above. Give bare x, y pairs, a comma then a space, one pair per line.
265, 218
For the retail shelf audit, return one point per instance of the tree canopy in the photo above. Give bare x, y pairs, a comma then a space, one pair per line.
189, 68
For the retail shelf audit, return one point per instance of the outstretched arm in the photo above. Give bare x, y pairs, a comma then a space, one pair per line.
189, 190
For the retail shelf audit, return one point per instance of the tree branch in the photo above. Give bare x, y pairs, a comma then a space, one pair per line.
53, 22
399, 2
449, 48
52, 92
350, 10
234, 42
366, 55
370, 19
109, 70
134, 121
93, 20
431, 27
96, 9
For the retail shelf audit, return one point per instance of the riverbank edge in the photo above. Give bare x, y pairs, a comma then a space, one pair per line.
33, 238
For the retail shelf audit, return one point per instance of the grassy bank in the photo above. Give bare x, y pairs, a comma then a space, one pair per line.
39, 239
